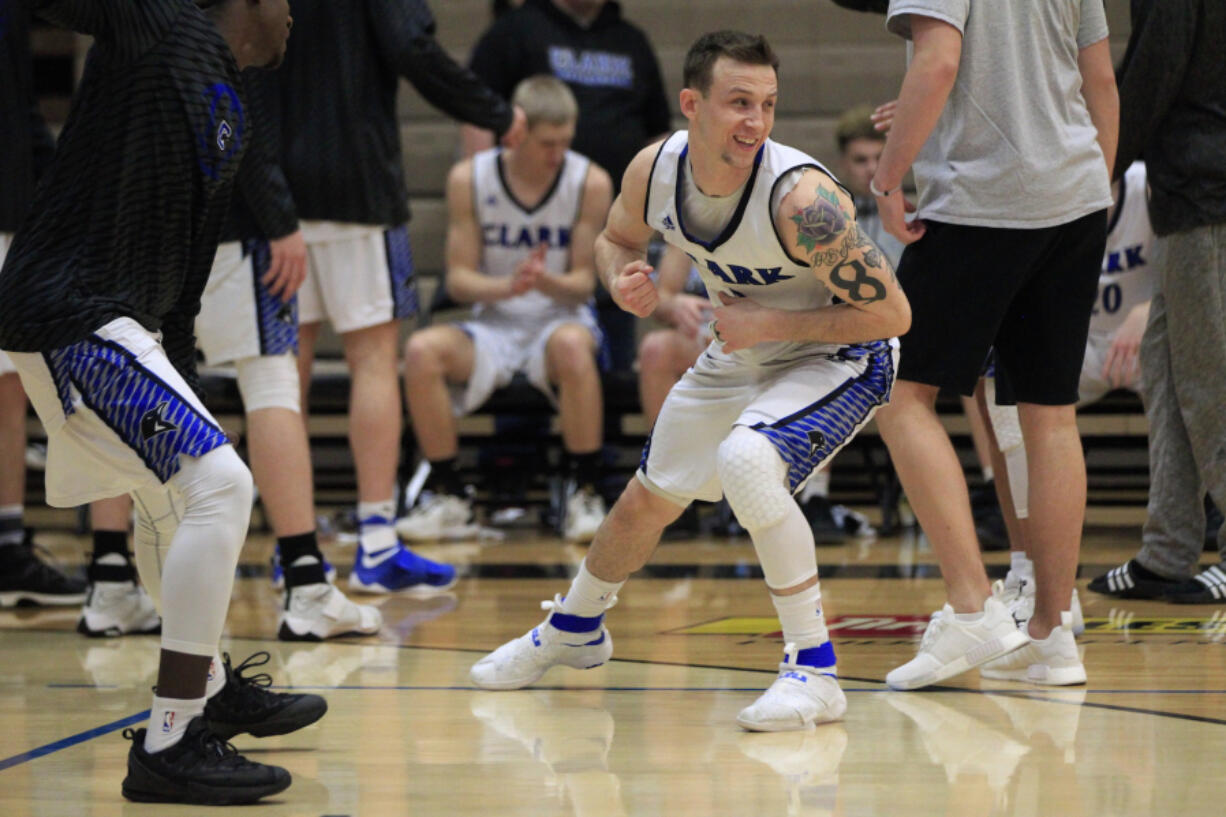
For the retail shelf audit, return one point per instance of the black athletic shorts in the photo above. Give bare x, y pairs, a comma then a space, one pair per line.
1028, 293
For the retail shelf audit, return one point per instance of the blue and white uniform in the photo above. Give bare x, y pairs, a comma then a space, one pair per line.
1127, 279
808, 399
509, 336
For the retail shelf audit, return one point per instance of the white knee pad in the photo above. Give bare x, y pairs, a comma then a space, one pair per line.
1005, 423
752, 474
754, 479
268, 382
1008, 430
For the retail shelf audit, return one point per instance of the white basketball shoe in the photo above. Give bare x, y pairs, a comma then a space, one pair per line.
1019, 598
951, 645
1053, 660
437, 516
800, 698
313, 612
561, 639
585, 512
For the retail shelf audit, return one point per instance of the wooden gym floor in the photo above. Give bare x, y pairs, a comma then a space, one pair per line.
653, 732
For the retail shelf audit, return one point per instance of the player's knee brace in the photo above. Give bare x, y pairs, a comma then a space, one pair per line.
752, 474
217, 491
268, 382
1008, 430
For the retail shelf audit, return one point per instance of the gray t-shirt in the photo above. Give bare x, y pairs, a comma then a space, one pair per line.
1015, 146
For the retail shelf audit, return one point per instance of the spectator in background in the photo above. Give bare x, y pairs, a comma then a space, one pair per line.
612, 70
860, 147
341, 154
26, 148
521, 233
1173, 113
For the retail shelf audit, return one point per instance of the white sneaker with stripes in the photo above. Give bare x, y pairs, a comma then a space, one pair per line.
1019, 598
1053, 660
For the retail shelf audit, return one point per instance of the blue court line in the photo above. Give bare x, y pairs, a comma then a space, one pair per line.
72, 740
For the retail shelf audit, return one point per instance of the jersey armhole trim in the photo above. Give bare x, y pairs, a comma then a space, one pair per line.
650, 175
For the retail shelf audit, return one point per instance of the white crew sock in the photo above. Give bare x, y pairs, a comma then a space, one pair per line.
589, 596
168, 719
377, 536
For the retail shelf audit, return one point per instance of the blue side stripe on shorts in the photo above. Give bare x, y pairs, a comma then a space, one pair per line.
142, 409
806, 438
278, 320
400, 272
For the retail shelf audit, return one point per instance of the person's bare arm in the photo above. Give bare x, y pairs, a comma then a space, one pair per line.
1101, 96
465, 281
925, 88
621, 249
577, 284
815, 222
685, 312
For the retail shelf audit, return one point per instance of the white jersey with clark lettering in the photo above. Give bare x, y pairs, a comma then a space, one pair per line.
1127, 279
510, 231
748, 258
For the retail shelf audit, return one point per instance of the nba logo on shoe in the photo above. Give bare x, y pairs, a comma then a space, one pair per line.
168, 722
212, 670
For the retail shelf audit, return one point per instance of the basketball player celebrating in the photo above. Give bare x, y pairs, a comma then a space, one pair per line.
97, 299
522, 227
790, 377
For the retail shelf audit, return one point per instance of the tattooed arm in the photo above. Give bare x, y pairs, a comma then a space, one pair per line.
817, 225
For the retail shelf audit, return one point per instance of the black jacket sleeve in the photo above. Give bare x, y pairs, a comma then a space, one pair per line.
404, 32
179, 338
1152, 72
130, 27
261, 180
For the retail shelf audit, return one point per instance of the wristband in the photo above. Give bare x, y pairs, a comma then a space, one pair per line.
872, 187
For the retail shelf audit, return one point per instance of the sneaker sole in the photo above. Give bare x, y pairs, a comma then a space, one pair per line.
113, 630
500, 686
288, 633
412, 591
23, 598
294, 717
982, 654
1058, 677
199, 795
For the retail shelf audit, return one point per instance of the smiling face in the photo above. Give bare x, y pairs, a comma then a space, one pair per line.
731, 121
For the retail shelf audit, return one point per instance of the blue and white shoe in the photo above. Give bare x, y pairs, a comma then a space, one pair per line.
804, 694
561, 639
278, 572
396, 569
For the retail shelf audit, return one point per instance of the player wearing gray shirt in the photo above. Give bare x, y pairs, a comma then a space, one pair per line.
1008, 115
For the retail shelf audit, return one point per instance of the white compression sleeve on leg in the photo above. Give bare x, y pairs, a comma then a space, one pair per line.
190, 564
753, 474
1008, 430
268, 382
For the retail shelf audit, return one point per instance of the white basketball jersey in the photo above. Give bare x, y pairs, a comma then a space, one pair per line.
748, 258
510, 231
1127, 278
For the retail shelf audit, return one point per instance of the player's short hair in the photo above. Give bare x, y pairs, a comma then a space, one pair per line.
856, 123
752, 49
546, 99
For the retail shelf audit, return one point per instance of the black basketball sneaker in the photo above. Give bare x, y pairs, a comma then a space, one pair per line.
201, 769
246, 704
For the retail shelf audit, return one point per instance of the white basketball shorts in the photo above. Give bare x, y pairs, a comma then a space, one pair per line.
358, 275
118, 415
239, 318
808, 408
